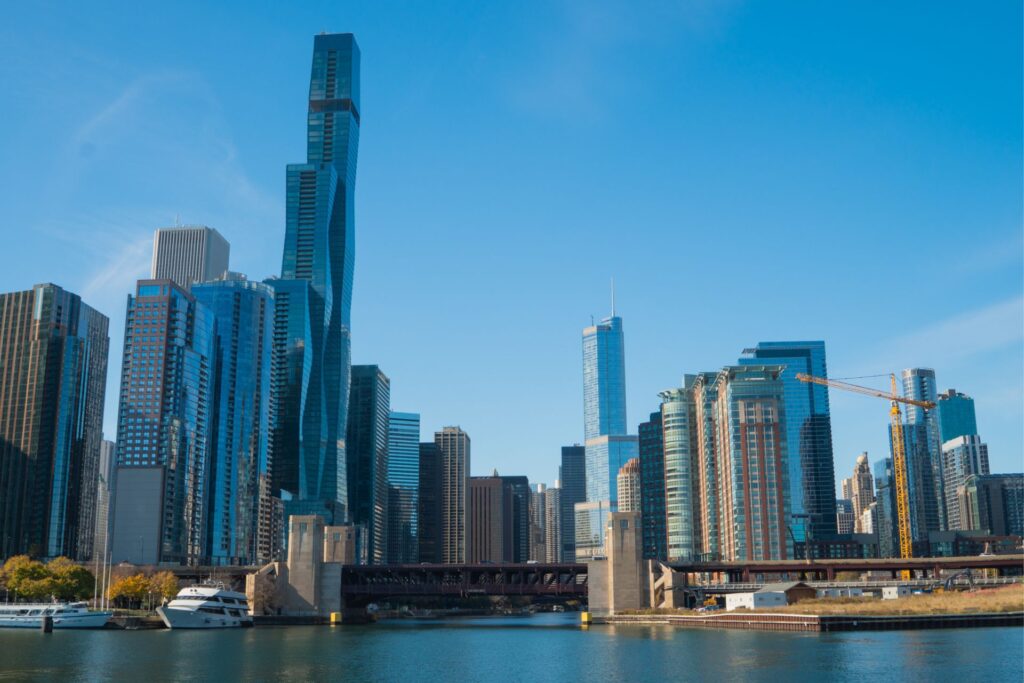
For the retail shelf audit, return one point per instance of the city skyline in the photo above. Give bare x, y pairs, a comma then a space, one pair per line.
985, 301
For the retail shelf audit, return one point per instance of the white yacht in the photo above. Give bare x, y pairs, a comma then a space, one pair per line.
64, 615
207, 605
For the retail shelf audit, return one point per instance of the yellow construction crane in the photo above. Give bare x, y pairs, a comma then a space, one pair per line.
899, 455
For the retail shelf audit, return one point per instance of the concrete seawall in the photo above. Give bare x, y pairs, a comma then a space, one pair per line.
820, 623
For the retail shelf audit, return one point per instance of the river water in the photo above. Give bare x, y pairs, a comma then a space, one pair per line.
548, 647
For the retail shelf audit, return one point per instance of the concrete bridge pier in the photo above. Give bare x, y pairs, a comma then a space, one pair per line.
619, 581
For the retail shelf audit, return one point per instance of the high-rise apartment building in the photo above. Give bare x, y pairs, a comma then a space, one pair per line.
241, 495
867, 523
845, 517
572, 474
679, 433
164, 427
993, 503
403, 487
499, 519
628, 481
367, 455
53, 373
319, 251
962, 456
538, 522
956, 415
885, 509
553, 525
706, 470
104, 496
924, 454
924, 511
487, 520
607, 444
811, 471
591, 520
859, 489
454, 447
189, 254
430, 508
652, 488
753, 468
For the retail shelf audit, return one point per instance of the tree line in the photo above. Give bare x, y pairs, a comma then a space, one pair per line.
24, 579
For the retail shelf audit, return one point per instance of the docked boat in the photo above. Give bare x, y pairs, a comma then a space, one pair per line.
207, 605
64, 615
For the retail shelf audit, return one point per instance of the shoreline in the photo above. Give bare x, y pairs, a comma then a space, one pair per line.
768, 621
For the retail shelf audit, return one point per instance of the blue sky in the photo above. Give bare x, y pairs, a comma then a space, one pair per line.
745, 171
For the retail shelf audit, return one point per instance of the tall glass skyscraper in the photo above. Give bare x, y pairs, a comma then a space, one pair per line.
924, 451
240, 488
53, 373
403, 487
956, 415
320, 249
607, 444
812, 488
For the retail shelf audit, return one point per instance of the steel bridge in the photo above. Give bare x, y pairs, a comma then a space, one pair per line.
465, 580
826, 570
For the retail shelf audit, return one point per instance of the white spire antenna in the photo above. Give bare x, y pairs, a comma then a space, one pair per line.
613, 297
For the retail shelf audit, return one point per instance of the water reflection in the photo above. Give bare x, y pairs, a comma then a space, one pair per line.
545, 647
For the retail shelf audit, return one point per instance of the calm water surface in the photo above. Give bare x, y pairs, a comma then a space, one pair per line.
539, 648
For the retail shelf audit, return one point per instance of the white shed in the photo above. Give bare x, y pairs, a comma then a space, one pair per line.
895, 592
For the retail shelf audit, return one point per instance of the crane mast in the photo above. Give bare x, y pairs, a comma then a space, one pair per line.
899, 450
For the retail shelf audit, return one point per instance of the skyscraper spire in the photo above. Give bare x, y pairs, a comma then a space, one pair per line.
613, 297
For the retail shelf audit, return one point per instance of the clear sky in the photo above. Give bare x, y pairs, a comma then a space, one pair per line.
745, 171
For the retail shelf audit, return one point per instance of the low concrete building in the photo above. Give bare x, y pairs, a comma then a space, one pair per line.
895, 592
845, 592
755, 600
770, 595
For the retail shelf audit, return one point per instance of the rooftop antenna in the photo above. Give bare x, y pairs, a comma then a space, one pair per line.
613, 297
177, 222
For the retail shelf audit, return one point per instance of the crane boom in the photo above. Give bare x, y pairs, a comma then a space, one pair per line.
899, 455
867, 391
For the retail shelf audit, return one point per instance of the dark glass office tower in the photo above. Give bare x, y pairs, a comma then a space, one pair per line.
403, 487
652, 488
429, 507
367, 456
574, 490
516, 517
319, 248
53, 372
812, 487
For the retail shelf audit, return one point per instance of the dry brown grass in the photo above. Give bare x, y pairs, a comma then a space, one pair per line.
1002, 599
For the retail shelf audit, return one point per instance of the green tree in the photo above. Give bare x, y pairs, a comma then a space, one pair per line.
70, 581
27, 578
164, 585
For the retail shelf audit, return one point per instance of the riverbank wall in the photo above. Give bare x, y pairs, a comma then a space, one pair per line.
766, 621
